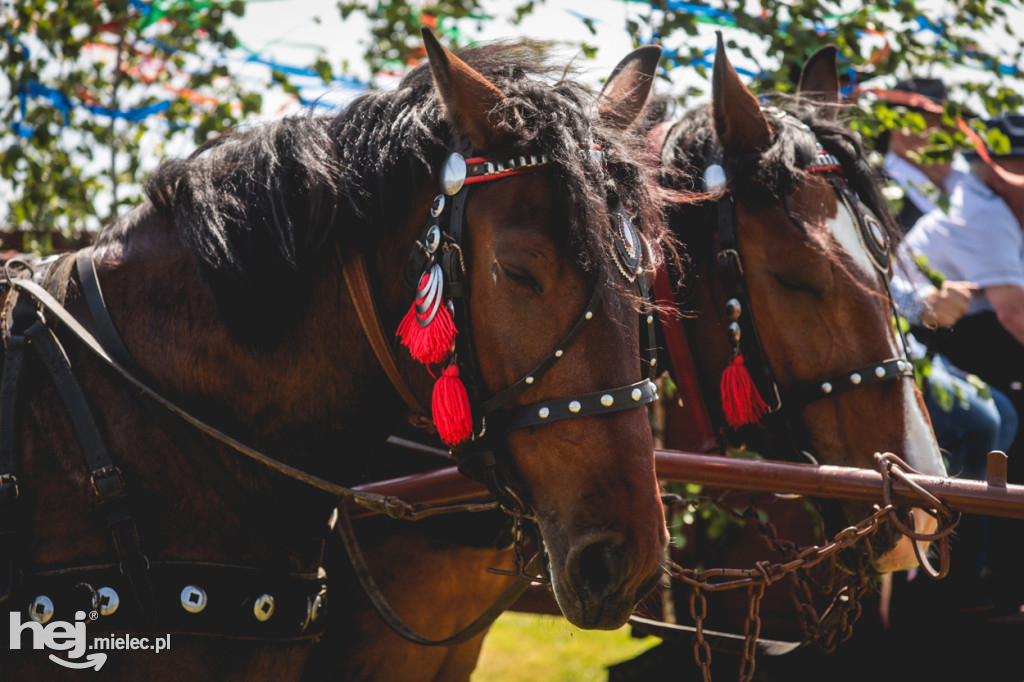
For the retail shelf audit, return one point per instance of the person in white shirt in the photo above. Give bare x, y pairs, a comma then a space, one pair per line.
969, 419
978, 238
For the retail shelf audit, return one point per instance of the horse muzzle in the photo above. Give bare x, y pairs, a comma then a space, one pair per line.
598, 585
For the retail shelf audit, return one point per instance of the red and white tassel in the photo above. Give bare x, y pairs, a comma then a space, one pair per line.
450, 407
431, 343
741, 402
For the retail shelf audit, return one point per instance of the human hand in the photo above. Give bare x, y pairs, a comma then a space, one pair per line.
945, 306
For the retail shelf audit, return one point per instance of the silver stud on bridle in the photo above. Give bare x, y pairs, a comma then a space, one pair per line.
107, 600
193, 599
40, 609
263, 607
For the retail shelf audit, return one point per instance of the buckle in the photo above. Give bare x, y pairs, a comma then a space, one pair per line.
731, 258
107, 482
9, 487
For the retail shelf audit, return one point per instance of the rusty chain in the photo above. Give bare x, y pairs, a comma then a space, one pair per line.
701, 649
751, 631
835, 625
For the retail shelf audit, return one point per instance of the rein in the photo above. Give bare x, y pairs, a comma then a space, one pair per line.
29, 321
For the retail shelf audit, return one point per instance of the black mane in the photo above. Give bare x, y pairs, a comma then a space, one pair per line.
768, 177
263, 208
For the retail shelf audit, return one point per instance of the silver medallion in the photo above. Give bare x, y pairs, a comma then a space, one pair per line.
453, 175
714, 178
433, 239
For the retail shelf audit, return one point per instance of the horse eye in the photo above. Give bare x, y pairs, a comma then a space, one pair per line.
521, 279
796, 286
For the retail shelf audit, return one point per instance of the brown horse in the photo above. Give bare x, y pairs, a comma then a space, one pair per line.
790, 262
435, 572
786, 273
235, 289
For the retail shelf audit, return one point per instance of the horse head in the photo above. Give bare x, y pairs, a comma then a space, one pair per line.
791, 260
551, 326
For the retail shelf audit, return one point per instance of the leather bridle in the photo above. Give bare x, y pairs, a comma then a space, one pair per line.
742, 329
438, 254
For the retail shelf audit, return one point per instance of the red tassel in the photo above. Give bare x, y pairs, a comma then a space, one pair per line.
741, 402
450, 407
432, 343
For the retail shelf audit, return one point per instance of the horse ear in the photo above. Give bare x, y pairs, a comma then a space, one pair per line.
739, 122
468, 97
626, 91
819, 81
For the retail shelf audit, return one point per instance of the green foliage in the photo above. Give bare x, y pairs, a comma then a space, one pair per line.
395, 26
68, 155
67, 70
786, 32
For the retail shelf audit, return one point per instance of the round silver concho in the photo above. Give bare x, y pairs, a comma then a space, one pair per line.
437, 206
714, 178
41, 609
877, 241
263, 607
433, 239
453, 175
193, 599
108, 600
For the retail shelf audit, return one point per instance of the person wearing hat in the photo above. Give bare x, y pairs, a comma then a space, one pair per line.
968, 418
978, 238
924, 186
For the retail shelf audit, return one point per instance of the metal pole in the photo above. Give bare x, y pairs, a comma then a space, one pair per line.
992, 498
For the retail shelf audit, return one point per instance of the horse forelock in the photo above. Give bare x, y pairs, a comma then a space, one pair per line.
767, 177
257, 206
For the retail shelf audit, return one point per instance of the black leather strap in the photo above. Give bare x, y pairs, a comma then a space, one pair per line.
231, 595
594, 404
734, 284
105, 477
515, 390
801, 394
22, 315
106, 330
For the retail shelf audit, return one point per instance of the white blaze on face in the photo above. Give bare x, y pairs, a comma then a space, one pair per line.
919, 447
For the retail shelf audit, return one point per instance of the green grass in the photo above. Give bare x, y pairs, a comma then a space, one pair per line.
521, 647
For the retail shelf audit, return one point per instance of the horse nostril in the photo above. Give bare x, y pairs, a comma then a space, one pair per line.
598, 567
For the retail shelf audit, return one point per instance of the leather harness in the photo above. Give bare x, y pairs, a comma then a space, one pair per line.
272, 605
440, 247
742, 329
